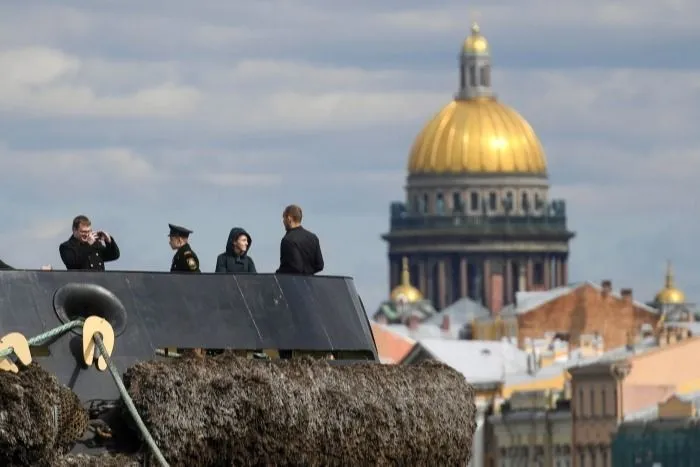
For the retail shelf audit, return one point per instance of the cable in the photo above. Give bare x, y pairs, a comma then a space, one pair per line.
48, 335
129, 402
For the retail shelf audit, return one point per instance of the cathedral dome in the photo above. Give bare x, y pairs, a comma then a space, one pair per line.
475, 133
477, 136
669, 294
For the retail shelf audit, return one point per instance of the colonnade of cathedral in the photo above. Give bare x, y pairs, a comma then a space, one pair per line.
444, 279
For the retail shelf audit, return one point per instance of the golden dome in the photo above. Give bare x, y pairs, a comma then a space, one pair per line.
475, 43
478, 135
669, 294
405, 292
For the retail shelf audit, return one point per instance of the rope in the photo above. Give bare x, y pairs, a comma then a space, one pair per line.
129, 403
57, 331
46, 336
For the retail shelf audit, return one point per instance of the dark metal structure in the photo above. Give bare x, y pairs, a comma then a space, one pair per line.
152, 310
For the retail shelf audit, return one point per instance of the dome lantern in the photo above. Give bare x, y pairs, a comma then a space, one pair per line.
405, 292
669, 294
474, 67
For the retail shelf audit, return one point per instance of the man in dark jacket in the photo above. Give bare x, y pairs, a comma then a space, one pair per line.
236, 258
184, 259
300, 250
88, 250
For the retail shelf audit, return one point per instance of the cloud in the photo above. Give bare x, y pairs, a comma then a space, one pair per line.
39, 81
217, 115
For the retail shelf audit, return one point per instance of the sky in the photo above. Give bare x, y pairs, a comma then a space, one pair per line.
215, 114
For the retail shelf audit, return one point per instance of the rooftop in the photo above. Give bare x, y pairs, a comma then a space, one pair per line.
652, 412
481, 362
391, 346
529, 301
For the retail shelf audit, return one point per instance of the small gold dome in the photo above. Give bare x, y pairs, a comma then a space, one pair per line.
405, 292
475, 43
669, 294
477, 136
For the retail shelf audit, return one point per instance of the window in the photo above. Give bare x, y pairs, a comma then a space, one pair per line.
425, 202
592, 410
525, 202
416, 204
473, 200
472, 75
493, 201
457, 204
580, 402
603, 403
440, 204
485, 76
508, 202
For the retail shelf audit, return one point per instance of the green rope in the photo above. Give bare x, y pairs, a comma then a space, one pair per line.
129, 402
57, 331
46, 336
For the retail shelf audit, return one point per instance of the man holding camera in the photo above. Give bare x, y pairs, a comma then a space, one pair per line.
86, 249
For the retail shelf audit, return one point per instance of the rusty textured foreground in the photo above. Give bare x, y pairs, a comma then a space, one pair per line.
227, 410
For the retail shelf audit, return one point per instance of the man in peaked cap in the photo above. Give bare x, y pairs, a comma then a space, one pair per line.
185, 259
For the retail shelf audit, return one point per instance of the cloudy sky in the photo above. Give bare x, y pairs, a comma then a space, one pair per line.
214, 114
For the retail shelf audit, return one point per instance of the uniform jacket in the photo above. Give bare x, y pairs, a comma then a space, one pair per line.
229, 261
300, 253
80, 255
185, 260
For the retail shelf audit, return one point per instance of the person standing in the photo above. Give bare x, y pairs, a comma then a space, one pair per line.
236, 257
87, 249
300, 249
185, 259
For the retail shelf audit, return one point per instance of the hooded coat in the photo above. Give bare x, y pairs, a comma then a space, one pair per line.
229, 261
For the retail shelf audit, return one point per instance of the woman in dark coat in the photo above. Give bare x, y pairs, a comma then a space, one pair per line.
236, 259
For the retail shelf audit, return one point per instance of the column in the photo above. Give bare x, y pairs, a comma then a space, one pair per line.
429, 280
422, 279
560, 278
486, 280
440, 300
509, 281
565, 271
522, 276
530, 273
463, 279
394, 272
449, 279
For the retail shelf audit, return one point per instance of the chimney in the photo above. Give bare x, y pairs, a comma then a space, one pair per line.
413, 322
606, 285
445, 326
626, 295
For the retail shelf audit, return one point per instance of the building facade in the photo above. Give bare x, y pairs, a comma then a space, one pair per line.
606, 392
477, 220
533, 428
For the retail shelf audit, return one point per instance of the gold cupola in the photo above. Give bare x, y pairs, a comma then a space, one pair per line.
669, 294
405, 292
475, 42
475, 133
